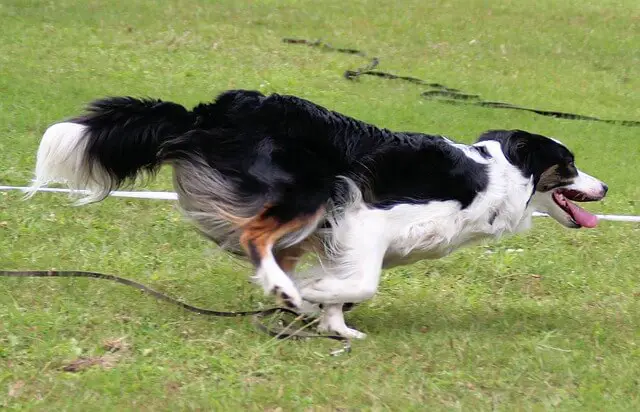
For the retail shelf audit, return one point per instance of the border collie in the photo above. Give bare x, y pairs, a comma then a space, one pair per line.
272, 178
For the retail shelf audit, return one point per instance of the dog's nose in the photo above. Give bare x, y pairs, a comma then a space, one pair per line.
605, 189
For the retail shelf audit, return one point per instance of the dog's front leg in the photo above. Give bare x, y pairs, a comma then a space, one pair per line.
351, 279
333, 291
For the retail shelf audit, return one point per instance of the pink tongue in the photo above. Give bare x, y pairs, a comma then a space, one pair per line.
581, 216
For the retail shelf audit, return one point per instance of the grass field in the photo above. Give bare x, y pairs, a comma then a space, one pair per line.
546, 320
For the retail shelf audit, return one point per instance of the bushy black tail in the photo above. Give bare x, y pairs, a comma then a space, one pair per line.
124, 134
116, 140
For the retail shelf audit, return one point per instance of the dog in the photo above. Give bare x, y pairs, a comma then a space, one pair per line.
272, 178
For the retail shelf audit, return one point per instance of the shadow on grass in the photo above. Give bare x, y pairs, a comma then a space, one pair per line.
434, 317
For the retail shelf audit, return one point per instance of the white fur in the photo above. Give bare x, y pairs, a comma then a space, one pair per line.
366, 240
333, 321
587, 184
61, 159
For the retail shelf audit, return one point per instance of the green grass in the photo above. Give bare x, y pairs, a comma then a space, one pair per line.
555, 326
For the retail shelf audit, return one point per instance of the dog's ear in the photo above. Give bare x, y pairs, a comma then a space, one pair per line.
515, 145
526, 151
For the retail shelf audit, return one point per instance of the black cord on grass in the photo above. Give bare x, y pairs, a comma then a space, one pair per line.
442, 93
256, 314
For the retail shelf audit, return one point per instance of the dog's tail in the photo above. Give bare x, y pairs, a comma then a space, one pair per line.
117, 139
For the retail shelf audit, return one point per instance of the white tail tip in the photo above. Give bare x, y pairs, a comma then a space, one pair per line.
62, 159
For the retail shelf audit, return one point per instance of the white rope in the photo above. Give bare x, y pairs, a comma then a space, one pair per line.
136, 195
174, 196
614, 218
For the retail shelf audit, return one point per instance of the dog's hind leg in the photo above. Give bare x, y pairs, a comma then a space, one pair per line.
288, 259
258, 238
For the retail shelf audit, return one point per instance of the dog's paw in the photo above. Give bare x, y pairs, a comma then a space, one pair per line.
277, 283
344, 331
290, 297
332, 320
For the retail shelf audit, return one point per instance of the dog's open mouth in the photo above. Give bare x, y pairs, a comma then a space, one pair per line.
564, 197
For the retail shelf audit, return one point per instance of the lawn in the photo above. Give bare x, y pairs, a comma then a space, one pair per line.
546, 320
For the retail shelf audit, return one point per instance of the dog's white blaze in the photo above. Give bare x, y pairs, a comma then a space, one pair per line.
61, 159
587, 184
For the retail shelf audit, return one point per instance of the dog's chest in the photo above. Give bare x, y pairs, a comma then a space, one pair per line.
437, 230
429, 241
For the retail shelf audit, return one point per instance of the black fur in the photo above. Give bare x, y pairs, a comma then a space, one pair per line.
286, 149
126, 133
283, 149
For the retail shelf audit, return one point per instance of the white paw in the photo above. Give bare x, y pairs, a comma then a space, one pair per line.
332, 320
286, 291
289, 295
279, 284
276, 282
345, 331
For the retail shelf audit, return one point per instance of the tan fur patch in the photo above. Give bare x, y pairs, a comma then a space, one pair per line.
288, 258
551, 178
261, 233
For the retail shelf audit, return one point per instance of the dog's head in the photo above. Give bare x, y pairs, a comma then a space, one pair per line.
557, 181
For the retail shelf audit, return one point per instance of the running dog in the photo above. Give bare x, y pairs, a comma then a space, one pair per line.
272, 178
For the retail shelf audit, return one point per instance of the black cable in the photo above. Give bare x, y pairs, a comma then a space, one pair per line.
257, 314
442, 93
